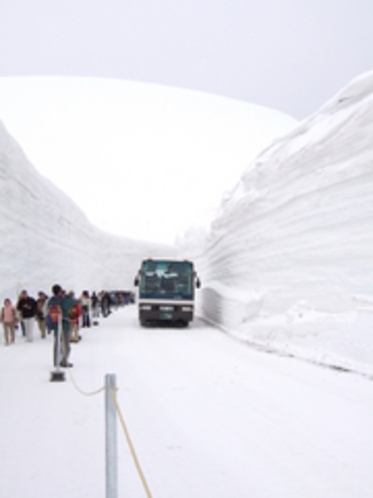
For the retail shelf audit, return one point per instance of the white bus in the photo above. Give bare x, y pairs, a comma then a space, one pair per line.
166, 291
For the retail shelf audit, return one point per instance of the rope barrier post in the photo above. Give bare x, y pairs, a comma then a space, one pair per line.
111, 438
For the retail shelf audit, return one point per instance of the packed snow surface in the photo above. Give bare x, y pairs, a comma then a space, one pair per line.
208, 417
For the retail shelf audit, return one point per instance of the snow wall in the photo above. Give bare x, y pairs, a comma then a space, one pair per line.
288, 261
46, 238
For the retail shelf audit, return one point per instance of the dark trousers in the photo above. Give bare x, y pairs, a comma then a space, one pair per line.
86, 319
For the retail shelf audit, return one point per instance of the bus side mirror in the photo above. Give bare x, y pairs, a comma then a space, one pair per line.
198, 283
136, 282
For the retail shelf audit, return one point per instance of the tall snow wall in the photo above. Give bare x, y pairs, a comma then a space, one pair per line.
288, 262
46, 238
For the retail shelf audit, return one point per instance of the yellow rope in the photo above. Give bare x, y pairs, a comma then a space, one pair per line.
85, 393
126, 433
132, 449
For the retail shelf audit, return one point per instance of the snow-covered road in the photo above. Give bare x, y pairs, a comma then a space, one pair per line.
208, 416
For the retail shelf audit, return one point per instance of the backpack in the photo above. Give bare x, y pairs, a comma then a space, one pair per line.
55, 313
73, 313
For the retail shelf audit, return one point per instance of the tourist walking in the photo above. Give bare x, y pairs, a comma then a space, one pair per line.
85, 303
8, 317
19, 317
41, 313
75, 313
105, 304
27, 309
95, 306
62, 303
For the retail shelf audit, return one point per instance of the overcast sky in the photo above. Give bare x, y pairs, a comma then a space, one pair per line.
291, 55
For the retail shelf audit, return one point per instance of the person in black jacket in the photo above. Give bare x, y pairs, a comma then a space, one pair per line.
27, 308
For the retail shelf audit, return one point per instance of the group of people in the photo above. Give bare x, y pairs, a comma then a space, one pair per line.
73, 312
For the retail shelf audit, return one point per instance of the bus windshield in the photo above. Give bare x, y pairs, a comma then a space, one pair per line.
167, 279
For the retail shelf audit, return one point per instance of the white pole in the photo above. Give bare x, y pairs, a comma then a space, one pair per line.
111, 438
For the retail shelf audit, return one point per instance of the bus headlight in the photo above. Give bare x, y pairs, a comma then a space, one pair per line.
145, 307
187, 308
